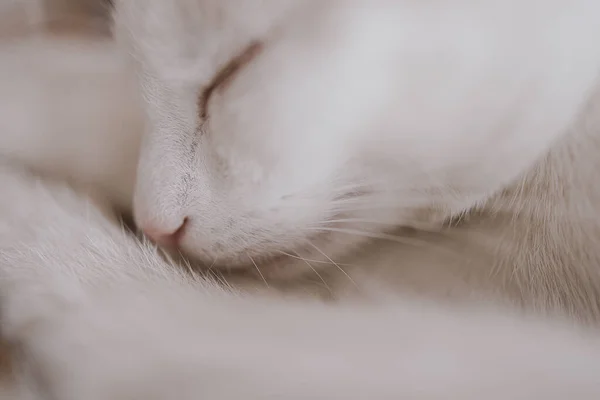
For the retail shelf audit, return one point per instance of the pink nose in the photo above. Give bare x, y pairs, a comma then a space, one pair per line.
165, 236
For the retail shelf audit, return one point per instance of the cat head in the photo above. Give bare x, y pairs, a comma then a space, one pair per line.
296, 130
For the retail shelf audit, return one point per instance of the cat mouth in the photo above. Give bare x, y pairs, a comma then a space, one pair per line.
277, 265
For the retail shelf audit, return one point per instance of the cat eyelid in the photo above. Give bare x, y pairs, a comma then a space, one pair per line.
226, 74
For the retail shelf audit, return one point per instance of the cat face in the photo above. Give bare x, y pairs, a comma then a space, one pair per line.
282, 130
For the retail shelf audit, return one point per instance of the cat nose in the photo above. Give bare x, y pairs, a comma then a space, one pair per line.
164, 235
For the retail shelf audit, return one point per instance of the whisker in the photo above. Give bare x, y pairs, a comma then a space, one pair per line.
423, 227
383, 236
258, 269
311, 267
220, 278
359, 220
333, 262
375, 205
210, 268
313, 261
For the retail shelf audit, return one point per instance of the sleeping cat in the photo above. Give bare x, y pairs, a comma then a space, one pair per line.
281, 135
477, 151
95, 314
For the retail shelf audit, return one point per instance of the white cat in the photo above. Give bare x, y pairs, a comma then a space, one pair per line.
99, 316
281, 129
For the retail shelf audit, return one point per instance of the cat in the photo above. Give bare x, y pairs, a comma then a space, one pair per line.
96, 314
476, 204
282, 135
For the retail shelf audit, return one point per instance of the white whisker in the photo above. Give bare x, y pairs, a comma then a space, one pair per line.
360, 221
313, 261
311, 267
258, 269
425, 228
333, 262
210, 268
382, 236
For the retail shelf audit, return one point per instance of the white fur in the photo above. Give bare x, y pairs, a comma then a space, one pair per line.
356, 117
96, 315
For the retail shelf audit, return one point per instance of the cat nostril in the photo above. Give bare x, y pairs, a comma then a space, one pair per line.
163, 236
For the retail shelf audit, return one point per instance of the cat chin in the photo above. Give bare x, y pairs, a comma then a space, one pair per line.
319, 253
314, 254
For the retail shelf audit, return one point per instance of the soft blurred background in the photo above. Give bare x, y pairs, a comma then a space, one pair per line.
26, 18
53, 16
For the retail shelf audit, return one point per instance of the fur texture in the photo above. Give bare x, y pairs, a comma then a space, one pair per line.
97, 315
498, 134
352, 118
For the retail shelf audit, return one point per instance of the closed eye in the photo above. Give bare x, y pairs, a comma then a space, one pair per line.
226, 74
